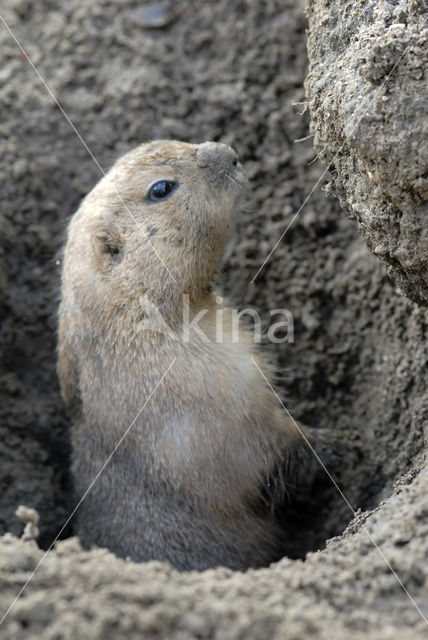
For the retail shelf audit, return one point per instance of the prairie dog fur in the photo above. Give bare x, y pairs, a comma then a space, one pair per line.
191, 481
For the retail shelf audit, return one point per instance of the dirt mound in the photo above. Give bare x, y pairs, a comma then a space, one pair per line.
232, 72
367, 87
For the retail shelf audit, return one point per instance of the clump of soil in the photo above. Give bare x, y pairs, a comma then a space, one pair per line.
367, 89
232, 72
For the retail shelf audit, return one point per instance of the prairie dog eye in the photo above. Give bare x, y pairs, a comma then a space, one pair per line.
162, 189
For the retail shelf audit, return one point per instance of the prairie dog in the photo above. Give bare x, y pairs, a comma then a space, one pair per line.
196, 479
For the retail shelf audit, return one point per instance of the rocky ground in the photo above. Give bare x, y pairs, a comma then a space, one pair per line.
232, 72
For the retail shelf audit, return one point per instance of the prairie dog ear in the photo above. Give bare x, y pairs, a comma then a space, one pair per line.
108, 246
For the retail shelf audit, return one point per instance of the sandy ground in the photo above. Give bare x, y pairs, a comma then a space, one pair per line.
232, 72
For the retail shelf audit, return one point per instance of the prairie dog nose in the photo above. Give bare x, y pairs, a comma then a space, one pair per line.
217, 156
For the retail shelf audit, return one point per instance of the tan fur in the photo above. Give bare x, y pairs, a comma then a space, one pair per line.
187, 483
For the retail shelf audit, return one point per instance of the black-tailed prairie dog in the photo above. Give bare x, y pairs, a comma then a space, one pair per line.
207, 451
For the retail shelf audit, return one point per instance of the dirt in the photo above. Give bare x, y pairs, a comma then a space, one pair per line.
357, 368
367, 88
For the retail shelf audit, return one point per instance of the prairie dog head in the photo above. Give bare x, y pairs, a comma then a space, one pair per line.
156, 225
